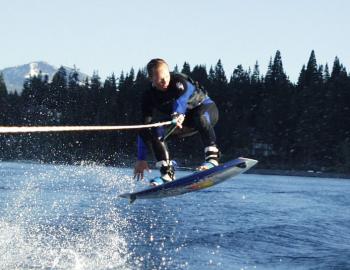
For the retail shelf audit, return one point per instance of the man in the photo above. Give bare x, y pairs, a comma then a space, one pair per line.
188, 105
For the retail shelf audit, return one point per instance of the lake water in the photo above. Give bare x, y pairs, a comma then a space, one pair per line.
69, 217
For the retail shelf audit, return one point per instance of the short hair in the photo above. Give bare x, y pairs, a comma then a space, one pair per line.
154, 63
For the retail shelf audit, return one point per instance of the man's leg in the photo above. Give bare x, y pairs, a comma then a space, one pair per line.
152, 137
204, 118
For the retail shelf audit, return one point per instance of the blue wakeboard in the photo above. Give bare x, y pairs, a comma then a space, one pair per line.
195, 181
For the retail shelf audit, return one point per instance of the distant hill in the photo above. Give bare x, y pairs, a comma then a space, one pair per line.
15, 76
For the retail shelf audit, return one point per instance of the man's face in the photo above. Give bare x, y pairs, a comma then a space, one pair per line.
161, 77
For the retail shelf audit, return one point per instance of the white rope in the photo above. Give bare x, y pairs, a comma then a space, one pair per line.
27, 129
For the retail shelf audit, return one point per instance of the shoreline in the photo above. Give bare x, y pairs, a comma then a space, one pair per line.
259, 171
299, 173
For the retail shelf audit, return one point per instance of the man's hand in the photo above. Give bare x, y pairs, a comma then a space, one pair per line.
140, 167
178, 119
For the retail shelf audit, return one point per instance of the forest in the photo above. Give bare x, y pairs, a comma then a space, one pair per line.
292, 126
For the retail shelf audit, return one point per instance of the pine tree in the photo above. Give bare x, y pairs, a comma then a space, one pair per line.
220, 76
278, 77
3, 88
255, 78
95, 95
339, 94
107, 101
85, 101
199, 74
211, 75
186, 69
302, 77
3, 101
275, 106
130, 78
326, 75
121, 81
73, 79
34, 97
58, 93
320, 72
141, 84
312, 75
338, 71
268, 76
75, 99
218, 82
239, 77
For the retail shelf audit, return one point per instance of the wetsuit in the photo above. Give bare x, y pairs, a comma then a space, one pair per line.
183, 96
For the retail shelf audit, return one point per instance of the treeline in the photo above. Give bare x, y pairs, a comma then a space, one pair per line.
303, 125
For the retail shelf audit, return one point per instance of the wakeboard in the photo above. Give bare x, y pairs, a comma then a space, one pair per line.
195, 181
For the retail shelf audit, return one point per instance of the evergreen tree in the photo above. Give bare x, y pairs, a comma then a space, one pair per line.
218, 83
211, 75
121, 81
14, 106
338, 71
276, 105
312, 75
268, 76
141, 84
75, 98
3, 101
239, 77
125, 85
199, 74
220, 76
34, 96
186, 69
278, 77
326, 75
3, 88
310, 103
130, 78
339, 116
73, 79
58, 94
320, 73
85, 102
129, 96
255, 78
95, 98
302, 77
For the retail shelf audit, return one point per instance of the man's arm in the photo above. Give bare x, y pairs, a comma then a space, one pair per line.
141, 149
141, 163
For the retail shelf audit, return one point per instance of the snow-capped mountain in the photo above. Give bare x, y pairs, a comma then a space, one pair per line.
14, 76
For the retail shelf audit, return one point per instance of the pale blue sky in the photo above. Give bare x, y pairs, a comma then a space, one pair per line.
110, 36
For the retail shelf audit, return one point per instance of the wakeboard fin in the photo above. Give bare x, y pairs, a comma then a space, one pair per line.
131, 197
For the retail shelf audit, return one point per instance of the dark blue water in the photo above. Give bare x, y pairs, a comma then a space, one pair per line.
69, 217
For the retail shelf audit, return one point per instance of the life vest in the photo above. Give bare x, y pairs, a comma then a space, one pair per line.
199, 94
163, 100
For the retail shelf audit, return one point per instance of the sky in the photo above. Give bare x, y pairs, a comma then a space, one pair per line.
111, 35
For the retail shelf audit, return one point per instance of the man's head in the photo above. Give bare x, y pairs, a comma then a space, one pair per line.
158, 73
